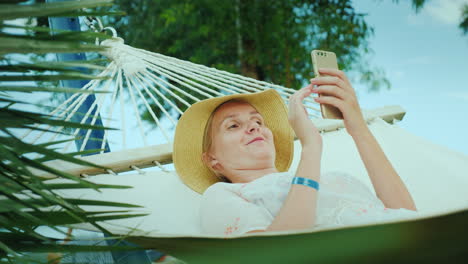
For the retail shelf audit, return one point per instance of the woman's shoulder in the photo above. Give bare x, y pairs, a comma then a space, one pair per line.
216, 196
233, 188
219, 188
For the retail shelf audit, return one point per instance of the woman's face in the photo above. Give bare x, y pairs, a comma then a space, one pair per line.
240, 139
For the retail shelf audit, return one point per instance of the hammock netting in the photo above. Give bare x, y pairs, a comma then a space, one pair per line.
141, 80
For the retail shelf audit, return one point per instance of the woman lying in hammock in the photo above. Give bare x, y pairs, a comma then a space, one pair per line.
236, 150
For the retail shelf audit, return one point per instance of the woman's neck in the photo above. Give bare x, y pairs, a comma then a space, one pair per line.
248, 175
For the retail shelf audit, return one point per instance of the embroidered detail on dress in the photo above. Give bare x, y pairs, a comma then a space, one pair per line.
232, 228
334, 215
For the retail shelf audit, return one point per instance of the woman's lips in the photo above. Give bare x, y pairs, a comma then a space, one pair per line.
255, 139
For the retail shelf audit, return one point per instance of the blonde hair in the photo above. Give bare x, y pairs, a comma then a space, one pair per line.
208, 139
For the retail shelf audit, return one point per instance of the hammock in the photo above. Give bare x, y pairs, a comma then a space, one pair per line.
435, 176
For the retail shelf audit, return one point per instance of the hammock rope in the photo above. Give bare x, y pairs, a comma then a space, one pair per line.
73, 102
111, 111
141, 80
97, 104
231, 78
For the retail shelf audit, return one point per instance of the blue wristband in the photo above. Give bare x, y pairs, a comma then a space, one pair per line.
306, 182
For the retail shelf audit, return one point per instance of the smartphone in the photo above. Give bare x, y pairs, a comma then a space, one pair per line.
326, 59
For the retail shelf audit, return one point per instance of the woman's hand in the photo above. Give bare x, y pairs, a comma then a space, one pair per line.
336, 90
305, 130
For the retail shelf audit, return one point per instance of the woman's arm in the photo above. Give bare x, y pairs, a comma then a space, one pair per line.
336, 90
387, 183
298, 209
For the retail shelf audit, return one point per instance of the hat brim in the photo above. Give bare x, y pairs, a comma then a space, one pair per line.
189, 133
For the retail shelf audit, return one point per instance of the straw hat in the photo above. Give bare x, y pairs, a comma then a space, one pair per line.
188, 139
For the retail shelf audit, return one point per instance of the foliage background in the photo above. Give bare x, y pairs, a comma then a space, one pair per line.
265, 40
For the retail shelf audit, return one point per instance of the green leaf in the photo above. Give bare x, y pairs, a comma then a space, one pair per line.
73, 212
59, 173
48, 66
32, 28
16, 206
51, 143
9, 236
56, 186
78, 153
24, 195
87, 13
9, 12
114, 217
464, 19
14, 165
72, 36
18, 118
13, 213
48, 77
7, 249
30, 89
23, 45
63, 218
100, 203
24, 246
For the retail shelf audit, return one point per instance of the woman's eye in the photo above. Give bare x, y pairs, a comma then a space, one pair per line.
259, 122
233, 126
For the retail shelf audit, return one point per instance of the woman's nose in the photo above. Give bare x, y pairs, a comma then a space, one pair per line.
253, 126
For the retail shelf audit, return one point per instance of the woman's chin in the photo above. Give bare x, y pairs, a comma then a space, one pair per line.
261, 155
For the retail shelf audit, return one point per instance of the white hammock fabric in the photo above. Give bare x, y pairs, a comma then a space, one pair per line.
428, 170
139, 78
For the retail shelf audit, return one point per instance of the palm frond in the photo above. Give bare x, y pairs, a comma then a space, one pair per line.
28, 201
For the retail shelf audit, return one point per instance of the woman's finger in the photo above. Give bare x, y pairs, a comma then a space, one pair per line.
293, 103
301, 94
330, 100
330, 90
328, 80
336, 73
299, 105
296, 100
304, 92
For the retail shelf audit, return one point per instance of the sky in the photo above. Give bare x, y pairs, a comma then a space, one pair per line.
425, 57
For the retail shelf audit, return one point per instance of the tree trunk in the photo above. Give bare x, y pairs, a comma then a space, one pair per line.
246, 49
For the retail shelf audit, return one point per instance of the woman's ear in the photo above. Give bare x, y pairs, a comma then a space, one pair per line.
213, 164
209, 160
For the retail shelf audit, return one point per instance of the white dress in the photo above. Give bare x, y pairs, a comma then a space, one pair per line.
229, 209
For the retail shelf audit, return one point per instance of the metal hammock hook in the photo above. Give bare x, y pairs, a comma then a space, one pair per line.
91, 22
